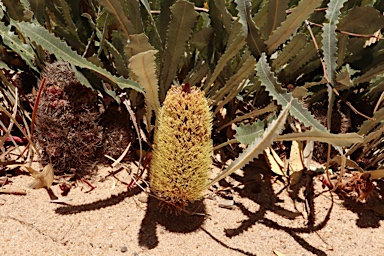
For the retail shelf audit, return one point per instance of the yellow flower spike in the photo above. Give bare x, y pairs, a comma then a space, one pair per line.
181, 157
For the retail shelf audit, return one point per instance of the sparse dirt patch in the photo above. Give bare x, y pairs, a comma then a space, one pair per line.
110, 220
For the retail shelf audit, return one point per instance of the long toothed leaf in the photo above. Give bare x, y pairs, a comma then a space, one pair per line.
342, 140
246, 134
276, 15
143, 65
38, 8
257, 147
294, 46
330, 39
330, 49
14, 43
114, 7
15, 9
232, 49
282, 97
53, 44
179, 31
293, 21
243, 6
244, 71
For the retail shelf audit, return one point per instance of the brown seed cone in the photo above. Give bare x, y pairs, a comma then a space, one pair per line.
66, 123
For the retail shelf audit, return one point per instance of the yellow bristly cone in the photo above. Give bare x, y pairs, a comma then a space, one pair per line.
181, 157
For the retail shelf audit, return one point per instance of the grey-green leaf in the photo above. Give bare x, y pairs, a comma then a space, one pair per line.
179, 31
49, 42
342, 140
276, 15
290, 25
38, 8
294, 46
232, 49
15, 9
257, 147
114, 7
329, 50
243, 7
143, 65
13, 42
247, 134
282, 97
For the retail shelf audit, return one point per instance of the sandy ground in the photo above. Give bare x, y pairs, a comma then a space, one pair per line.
111, 221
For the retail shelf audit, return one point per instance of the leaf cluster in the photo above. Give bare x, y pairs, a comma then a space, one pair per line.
252, 59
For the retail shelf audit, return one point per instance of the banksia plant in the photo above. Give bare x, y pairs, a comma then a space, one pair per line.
67, 121
182, 152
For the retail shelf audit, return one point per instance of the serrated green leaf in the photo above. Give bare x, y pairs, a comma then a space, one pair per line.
282, 97
137, 44
344, 77
330, 39
342, 140
254, 113
38, 8
114, 7
254, 41
257, 147
276, 15
119, 61
49, 42
295, 65
198, 72
164, 19
290, 25
243, 72
132, 8
333, 12
362, 20
70, 26
180, 29
147, 7
243, 7
260, 18
368, 125
246, 134
369, 75
329, 50
15, 9
232, 49
294, 46
83, 80
143, 65
13, 42
220, 16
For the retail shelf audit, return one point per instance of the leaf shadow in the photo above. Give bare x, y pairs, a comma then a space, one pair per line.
99, 204
186, 221
257, 181
369, 213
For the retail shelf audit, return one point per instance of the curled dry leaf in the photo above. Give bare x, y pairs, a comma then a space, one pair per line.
277, 253
43, 178
360, 186
275, 163
296, 162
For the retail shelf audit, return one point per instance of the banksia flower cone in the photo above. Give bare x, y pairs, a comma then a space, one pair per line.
181, 157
